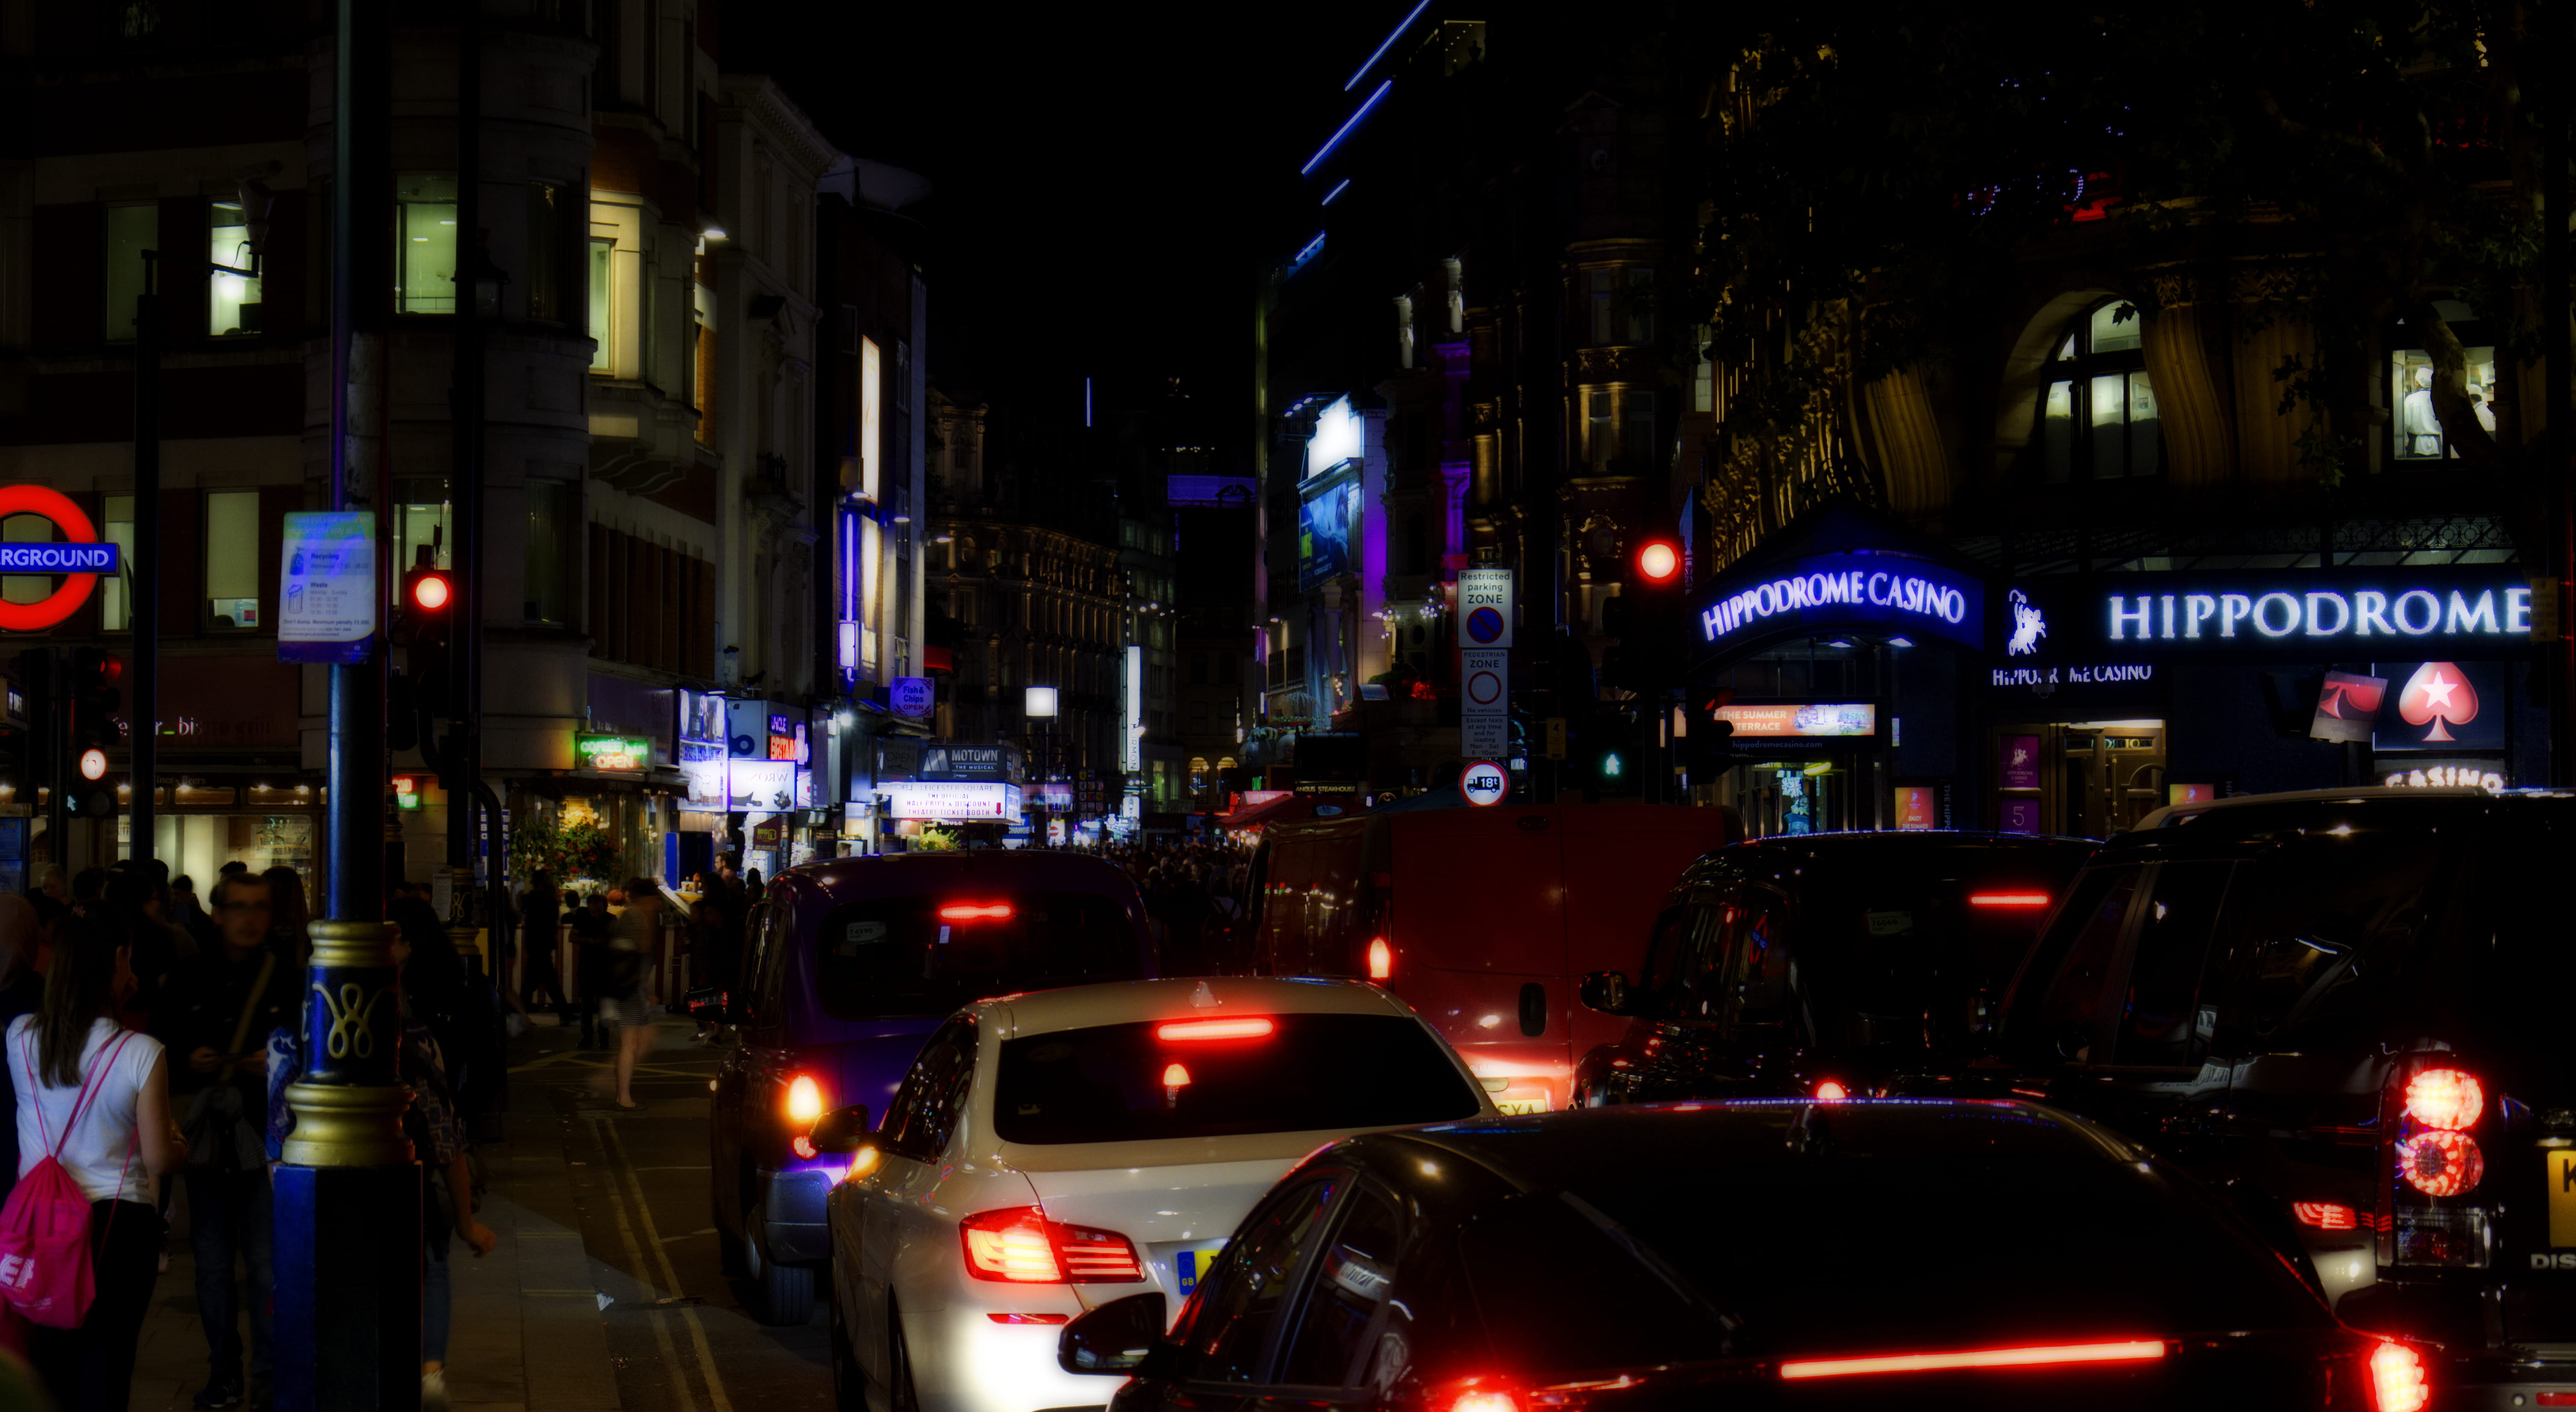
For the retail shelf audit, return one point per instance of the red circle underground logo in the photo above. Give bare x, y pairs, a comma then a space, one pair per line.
79, 557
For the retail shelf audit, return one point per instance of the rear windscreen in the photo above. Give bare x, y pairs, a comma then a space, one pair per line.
930, 955
1122, 1083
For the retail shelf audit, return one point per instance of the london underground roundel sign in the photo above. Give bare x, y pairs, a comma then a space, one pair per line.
80, 561
1483, 782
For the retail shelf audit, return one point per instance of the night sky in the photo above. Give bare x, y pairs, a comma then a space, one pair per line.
1107, 180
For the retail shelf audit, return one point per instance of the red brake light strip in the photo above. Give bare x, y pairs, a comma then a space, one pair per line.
1247, 1027
2008, 899
1976, 1358
974, 912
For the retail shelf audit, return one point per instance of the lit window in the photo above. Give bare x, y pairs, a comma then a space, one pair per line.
2412, 421
420, 524
2097, 412
232, 558
131, 230
232, 301
424, 244
600, 250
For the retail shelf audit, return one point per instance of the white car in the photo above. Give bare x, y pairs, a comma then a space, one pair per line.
1054, 1151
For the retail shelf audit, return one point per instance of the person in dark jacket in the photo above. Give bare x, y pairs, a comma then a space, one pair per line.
540, 917
590, 928
222, 1006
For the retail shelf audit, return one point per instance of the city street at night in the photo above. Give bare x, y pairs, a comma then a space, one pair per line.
753, 705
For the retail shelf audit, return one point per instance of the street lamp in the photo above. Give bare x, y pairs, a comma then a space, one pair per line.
1038, 703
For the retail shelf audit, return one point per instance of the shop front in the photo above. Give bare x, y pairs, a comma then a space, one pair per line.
2116, 694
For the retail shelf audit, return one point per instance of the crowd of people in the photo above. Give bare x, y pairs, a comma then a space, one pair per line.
1191, 890
149, 1042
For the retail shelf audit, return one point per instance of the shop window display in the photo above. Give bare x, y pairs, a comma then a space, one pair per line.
2097, 411
2417, 429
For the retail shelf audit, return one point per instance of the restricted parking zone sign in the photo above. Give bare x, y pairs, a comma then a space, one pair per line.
1484, 782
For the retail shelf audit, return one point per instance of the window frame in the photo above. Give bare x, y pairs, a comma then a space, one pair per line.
2077, 370
2474, 336
411, 304
211, 537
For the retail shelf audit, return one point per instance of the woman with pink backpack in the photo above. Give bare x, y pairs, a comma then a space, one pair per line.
95, 1127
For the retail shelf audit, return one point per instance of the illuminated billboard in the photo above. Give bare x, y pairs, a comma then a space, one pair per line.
1328, 517
951, 799
1785, 721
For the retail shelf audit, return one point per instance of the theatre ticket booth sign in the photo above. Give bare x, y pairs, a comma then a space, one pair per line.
78, 558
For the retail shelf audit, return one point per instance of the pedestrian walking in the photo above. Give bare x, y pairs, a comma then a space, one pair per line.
540, 918
225, 1003
590, 928
96, 1097
630, 946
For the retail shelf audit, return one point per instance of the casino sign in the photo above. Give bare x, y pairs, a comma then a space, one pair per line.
78, 557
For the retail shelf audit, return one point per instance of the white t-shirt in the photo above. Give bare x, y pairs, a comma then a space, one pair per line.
105, 1145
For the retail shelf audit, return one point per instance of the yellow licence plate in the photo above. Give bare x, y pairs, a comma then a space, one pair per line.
2562, 1195
1521, 1105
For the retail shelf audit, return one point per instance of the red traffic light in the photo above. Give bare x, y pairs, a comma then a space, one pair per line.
108, 671
430, 591
1659, 561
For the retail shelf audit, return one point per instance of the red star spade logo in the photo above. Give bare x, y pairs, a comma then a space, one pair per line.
2438, 695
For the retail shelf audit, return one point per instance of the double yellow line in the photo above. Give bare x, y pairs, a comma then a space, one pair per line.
649, 1256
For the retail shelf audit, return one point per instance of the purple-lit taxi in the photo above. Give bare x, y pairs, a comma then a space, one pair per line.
851, 964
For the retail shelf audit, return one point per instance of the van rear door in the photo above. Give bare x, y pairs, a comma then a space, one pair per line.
1479, 927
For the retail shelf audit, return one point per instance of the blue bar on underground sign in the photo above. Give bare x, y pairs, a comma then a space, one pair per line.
58, 558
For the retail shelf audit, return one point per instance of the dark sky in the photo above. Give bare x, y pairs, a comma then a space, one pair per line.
1108, 179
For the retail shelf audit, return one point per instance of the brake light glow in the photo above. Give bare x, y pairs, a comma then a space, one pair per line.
862, 1162
1247, 1027
1832, 1092
1381, 959
1030, 1318
2441, 1162
2397, 1379
1174, 1076
2445, 1098
803, 1147
2045, 1356
2324, 1215
1019, 1245
1485, 1400
976, 912
2008, 899
804, 1101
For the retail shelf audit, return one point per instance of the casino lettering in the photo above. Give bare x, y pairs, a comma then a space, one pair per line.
1879, 589
2325, 613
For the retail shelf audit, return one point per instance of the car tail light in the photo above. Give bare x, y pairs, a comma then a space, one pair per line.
976, 912
1019, 1245
804, 1102
2397, 1379
1485, 1400
2324, 1215
2008, 899
1030, 1318
2434, 1165
2445, 1098
1176, 1076
1381, 959
1246, 1027
1832, 1092
804, 1148
2051, 1355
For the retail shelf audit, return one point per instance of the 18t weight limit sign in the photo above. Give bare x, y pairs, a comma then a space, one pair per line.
1484, 783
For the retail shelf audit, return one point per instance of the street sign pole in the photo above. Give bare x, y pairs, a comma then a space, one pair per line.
348, 1192
143, 598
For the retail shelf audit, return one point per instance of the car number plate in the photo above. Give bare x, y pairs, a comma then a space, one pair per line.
1510, 1106
2562, 1195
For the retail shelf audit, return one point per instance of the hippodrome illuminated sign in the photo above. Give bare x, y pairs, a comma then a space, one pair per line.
2321, 613
1829, 591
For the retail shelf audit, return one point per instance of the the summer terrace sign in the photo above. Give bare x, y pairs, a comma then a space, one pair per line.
1875, 592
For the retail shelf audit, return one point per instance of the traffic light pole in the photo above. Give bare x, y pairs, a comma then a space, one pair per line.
143, 598
348, 1194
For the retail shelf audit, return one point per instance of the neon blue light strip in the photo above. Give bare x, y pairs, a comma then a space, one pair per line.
1313, 248
1336, 191
1336, 139
1397, 34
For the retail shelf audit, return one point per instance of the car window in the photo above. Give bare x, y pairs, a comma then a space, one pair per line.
772, 924
1664, 949
1687, 970
2165, 1019
1290, 1073
1759, 962
928, 955
924, 1111
1338, 1323
2062, 1016
1238, 1300
2327, 925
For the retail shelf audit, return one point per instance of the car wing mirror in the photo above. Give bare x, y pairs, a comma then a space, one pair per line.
842, 1130
1607, 992
1114, 1338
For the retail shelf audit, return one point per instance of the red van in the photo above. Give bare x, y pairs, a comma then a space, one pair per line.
1483, 920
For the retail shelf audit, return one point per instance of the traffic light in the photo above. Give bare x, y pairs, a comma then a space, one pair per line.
96, 680
424, 618
1646, 617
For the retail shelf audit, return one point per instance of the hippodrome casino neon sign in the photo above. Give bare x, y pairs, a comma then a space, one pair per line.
1849, 584
2319, 613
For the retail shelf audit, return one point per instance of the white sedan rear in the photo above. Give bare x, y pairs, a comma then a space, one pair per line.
1053, 1151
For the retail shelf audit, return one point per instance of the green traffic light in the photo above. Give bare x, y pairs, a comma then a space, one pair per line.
1610, 766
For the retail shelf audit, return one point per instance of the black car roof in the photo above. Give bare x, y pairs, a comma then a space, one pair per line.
2257, 818
1550, 1151
1845, 852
